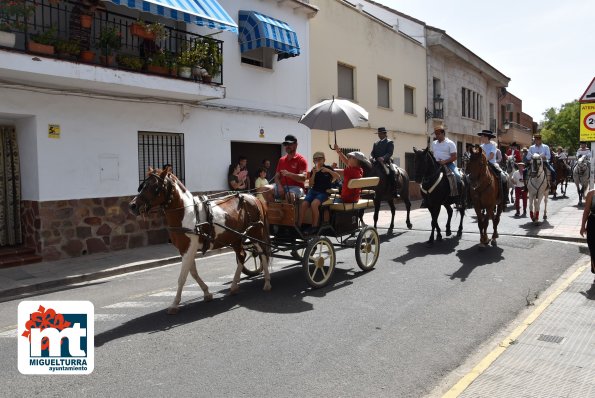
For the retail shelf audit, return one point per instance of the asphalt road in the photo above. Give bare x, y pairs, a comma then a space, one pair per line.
396, 331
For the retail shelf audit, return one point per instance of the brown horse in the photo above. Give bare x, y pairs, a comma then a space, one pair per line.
486, 194
562, 172
197, 223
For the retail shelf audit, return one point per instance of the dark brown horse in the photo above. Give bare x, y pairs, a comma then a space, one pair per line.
197, 223
486, 194
384, 192
435, 189
562, 173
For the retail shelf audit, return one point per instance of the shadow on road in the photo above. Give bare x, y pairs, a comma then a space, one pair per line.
287, 297
422, 249
590, 294
474, 257
534, 229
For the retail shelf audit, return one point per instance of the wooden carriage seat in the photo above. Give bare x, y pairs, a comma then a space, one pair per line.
362, 203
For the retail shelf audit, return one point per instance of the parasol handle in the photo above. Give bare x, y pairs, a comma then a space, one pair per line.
329, 139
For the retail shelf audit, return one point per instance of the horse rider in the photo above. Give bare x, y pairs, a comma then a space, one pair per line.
584, 151
382, 157
489, 148
513, 150
563, 156
544, 151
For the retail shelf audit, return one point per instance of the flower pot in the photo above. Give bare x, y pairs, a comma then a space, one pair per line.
7, 39
40, 48
140, 32
161, 70
207, 79
107, 60
86, 21
87, 56
185, 72
173, 72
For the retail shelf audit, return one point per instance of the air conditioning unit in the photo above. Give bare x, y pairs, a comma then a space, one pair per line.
510, 107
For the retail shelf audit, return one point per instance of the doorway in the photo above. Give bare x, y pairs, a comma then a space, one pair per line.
10, 189
255, 153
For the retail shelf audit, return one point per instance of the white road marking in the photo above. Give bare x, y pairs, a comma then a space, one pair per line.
108, 317
9, 334
133, 304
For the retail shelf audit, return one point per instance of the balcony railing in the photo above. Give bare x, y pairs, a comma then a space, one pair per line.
59, 23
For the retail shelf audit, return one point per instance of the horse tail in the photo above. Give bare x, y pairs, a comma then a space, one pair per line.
265, 228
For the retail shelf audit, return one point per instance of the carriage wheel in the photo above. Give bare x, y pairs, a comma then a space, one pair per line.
319, 262
367, 248
252, 265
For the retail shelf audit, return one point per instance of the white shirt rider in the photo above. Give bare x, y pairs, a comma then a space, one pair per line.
583, 152
542, 149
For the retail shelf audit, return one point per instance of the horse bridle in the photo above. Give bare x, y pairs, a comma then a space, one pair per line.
163, 184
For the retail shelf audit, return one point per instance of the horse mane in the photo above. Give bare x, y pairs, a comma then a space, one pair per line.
174, 177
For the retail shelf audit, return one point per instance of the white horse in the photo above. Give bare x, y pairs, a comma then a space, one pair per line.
581, 174
510, 169
538, 186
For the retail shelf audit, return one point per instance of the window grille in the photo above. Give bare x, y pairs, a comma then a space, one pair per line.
158, 149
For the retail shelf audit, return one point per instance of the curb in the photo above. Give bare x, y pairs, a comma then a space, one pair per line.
15, 293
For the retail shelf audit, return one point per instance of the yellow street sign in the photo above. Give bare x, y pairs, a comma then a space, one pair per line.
54, 131
587, 122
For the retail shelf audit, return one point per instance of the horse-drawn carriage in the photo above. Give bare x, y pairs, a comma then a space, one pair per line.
341, 226
240, 221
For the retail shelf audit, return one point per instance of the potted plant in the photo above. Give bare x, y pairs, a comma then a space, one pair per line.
157, 63
69, 49
129, 62
13, 16
187, 59
109, 39
87, 56
86, 21
152, 31
212, 60
43, 43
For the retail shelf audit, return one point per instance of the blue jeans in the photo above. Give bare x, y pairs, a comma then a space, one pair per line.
297, 191
454, 169
313, 195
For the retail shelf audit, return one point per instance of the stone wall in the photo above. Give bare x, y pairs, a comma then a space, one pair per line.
72, 228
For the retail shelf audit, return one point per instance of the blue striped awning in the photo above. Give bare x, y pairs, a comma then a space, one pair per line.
207, 13
258, 30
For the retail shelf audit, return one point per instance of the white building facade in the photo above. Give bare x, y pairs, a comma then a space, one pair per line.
86, 132
463, 90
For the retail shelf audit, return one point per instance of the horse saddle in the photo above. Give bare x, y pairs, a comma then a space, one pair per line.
453, 181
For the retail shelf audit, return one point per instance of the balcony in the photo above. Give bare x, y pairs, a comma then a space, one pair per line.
106, 51
514, 132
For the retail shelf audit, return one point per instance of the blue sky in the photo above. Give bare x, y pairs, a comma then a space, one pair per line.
544, 47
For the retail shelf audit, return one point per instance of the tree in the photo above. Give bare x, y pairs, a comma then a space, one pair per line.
561, 127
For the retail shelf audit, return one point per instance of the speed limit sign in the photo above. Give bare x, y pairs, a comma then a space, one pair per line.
587, 131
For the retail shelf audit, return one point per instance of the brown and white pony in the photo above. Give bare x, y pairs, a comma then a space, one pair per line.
487, 195
234, 220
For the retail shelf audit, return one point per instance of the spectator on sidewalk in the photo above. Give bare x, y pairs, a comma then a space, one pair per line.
519, 190
588, 226
261, 182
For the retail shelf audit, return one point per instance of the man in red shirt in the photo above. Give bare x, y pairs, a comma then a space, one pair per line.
513, 150
290, 174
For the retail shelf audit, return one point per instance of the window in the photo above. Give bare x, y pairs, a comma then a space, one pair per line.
158, 149
437, 88
472, 104
383, 92
262, 57
409, 92
345, 82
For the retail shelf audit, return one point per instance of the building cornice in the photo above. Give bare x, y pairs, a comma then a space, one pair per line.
439, 38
